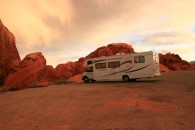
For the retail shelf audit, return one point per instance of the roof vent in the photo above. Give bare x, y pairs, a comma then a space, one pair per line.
120, 53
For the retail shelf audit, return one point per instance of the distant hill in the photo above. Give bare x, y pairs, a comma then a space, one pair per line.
193, 62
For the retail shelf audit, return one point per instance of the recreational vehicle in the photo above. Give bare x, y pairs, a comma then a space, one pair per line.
122, 67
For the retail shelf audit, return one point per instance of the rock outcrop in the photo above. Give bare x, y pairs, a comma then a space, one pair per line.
50, 73
29, 72
111, 49
9, 56
66, 70
79, 66
163, 68
174, 62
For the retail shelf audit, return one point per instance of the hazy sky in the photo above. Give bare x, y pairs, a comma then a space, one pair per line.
65, 30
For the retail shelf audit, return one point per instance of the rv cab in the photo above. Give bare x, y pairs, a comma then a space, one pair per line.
88, 75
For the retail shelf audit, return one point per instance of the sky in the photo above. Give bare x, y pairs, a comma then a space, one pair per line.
65, 30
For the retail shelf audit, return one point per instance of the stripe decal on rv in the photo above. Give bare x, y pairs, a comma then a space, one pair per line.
120, 71
128, 61
127, 70
138, 69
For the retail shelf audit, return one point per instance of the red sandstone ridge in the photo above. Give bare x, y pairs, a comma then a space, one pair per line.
29, 71
9, 57
66, 70
50, 74
111, 49
174, 62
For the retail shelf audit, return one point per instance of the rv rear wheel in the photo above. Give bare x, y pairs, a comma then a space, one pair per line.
125, 78
86, 80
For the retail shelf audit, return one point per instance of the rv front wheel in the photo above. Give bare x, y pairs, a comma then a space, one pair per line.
125, 78
86, 80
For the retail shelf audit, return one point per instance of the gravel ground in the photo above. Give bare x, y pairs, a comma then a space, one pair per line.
163, 103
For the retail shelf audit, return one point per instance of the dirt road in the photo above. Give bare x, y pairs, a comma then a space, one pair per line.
167, 102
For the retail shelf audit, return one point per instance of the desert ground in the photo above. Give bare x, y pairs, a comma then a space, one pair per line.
162, 103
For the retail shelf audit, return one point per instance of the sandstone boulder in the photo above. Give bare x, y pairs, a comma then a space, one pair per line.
111, 49
66, 70
79, 66
174, 62
9, 56
163, 68
30, 71
50, 74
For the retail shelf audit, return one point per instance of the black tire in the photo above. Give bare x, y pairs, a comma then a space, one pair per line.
125, 78
93, 80
86, 79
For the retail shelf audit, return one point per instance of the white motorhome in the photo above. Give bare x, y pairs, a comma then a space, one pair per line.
122, 67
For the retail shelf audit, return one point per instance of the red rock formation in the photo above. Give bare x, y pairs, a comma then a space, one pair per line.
163, 68
50, 73
174, 62
66, 70
79, 66
9, 57
111, 49
30, 71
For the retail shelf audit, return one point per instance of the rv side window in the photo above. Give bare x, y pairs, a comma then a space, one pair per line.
136, 59
110, 64
116, 64
100, 65
97, 66
140, 59
113, 64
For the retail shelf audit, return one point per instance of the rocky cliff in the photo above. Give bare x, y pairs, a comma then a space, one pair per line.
9, 56
30, 71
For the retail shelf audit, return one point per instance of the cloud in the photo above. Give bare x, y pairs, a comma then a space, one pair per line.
184, 36
73, 28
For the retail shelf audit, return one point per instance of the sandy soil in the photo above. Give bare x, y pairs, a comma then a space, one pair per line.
166, 103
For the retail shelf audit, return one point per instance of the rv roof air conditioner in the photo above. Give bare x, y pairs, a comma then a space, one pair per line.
120, 53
